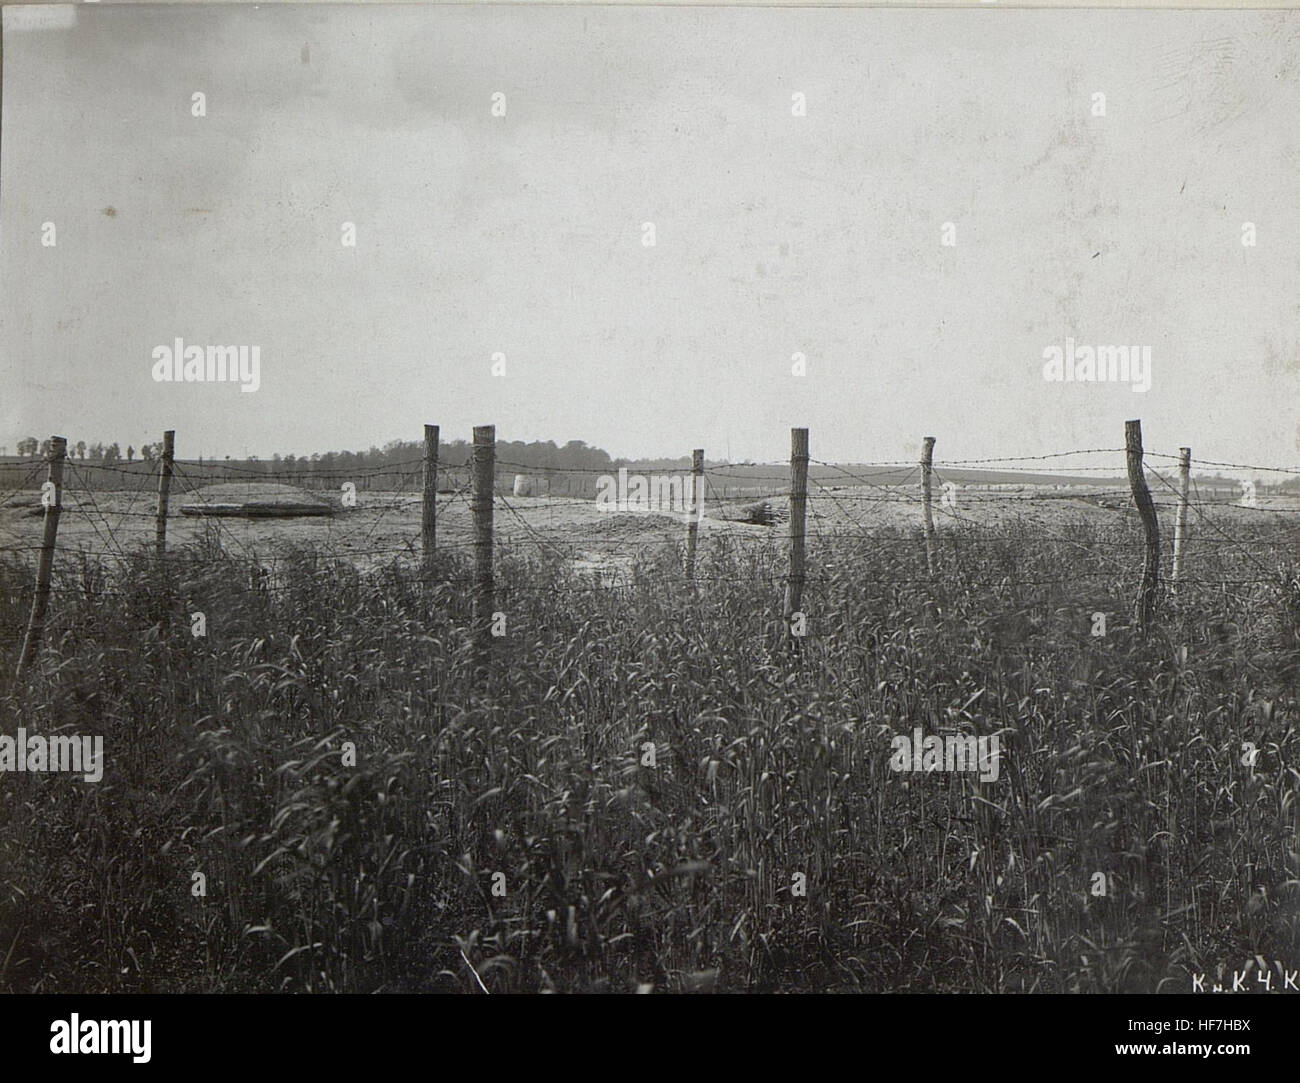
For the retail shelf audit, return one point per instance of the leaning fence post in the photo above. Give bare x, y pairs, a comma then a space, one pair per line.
429, 512
798, 507
1146, 601
52, 499
481, 502
927, 459
164, 490
1180, 521
697, 506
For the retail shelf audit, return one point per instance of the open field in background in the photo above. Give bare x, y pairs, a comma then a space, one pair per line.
224, 753
385, 524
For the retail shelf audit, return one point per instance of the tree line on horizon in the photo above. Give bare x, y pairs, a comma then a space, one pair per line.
575, 455
32, 448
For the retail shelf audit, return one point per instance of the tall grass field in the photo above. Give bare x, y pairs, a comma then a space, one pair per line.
647, 787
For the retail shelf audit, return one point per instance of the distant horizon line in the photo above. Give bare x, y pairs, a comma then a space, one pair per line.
988, 464
964, 466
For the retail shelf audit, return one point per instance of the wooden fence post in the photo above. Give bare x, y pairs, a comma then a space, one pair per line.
164, 490
1146, 601
429, 511
485, 438
53, 506
1180, 521
697, 505
927, 459
798, 508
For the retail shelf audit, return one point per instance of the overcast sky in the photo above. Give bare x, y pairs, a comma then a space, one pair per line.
775, 233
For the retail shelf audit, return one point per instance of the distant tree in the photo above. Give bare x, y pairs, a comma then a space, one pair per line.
112, 453
28, 446
81, 449
45, 448
146, 452
130, 453
577, 455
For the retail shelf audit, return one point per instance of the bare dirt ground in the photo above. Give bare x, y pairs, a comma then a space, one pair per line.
384, 525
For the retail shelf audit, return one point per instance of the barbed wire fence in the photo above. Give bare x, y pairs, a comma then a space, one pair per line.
381, 512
